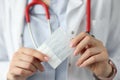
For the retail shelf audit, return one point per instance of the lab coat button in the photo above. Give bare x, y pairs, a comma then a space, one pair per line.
69, 64
21, 35
72, 32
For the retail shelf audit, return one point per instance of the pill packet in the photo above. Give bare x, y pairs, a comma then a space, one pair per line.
57, 47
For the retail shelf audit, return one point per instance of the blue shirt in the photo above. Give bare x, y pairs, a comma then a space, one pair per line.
41, 33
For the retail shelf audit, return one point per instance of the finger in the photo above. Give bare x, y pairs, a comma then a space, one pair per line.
88, 53
77, 39
93, 59
26, 58
34, 53
82, 45
33, 61
12, 76
20, 72
25, 65
39, 66
15, 56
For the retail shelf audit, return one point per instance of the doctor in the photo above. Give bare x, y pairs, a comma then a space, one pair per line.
99, 55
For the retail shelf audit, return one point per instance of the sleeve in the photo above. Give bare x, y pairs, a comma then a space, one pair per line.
113, 43
3, 52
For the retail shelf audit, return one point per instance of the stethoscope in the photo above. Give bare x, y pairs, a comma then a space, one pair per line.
46, 8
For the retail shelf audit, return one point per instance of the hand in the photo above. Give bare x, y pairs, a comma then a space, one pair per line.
25, 63
94, 55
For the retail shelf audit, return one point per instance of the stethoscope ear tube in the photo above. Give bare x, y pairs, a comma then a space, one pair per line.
27, 15
88, 16
33, 3
31, 36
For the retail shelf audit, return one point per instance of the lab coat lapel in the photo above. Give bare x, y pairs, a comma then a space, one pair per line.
18, 9
75, 14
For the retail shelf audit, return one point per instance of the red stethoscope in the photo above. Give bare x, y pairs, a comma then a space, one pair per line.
46, 8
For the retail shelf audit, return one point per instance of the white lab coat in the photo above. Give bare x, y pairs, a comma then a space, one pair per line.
105, 27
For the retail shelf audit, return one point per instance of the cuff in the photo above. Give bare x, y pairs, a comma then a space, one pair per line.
3, 70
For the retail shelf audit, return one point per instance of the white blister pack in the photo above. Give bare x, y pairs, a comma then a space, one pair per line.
57, 47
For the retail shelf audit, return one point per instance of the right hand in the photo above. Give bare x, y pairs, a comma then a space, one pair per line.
25, 63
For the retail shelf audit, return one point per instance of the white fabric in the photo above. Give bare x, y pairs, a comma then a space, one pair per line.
3, 69
3, 52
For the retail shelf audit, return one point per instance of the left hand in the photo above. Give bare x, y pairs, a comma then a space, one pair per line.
93, 54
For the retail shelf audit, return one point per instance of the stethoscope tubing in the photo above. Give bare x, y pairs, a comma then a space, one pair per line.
40, 2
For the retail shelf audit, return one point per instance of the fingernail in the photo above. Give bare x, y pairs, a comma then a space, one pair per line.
81, 66
75, 53
42, 70
71, 45
77, 64
46, 58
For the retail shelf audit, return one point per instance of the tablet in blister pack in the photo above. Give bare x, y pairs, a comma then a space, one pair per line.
57, 47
